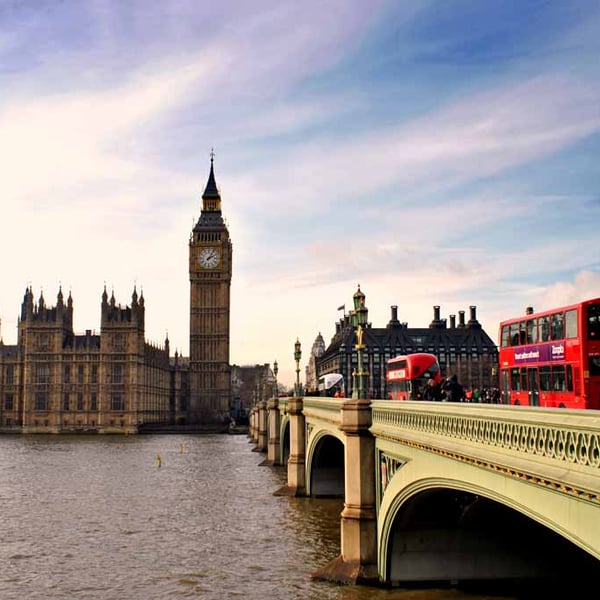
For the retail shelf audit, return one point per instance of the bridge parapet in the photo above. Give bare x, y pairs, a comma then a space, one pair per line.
557, 448
323, 413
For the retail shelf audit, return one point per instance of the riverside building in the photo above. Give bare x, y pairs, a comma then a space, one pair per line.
462, 347
55, 380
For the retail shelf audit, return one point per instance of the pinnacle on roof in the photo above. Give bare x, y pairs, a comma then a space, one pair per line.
211, 190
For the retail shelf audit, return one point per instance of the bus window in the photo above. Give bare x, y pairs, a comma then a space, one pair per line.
534, 388
514, 334
524, 385
545, 379
576, 381
505, 337
593, 321
558, 378
571, 328
415, 390
570, 378
594, 365
532, 331
544, 329
522, 333
515, 380
505, 393
558, 326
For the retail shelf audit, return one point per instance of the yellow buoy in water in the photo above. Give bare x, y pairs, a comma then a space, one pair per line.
158, 460
181, 448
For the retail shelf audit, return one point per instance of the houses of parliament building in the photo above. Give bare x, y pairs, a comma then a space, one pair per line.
54, 380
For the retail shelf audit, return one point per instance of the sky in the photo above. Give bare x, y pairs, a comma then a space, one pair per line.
434, 153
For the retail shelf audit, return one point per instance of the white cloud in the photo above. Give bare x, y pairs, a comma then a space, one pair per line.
478, 136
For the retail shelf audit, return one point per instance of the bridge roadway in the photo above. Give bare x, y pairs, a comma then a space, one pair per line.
438, 492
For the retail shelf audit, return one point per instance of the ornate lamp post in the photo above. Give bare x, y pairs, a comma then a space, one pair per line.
359, 321
275, 371
297, 356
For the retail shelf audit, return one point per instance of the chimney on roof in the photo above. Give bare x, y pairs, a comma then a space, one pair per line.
394, 319
461, 318
473, 322
437, 323
452, 321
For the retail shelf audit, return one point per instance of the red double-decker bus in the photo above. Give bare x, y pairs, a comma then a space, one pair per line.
407, 375
552, 358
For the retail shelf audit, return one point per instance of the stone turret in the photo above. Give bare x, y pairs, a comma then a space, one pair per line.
113, 314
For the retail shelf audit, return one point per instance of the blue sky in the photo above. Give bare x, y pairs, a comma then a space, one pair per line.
437, 153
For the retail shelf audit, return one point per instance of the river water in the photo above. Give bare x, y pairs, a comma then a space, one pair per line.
105, 517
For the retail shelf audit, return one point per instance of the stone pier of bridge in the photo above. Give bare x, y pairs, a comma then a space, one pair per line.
357, 562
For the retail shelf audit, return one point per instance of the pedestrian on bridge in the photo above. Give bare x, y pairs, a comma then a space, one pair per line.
455, 392
433, 391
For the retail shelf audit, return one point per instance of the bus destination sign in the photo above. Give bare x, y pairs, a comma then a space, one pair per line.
541, 353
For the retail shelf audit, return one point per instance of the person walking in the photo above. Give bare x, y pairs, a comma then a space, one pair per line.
433, 391
454, 390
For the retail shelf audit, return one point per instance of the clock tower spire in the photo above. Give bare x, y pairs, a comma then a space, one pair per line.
211, 194
210, 262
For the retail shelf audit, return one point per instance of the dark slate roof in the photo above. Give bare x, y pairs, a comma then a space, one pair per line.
9, 351
90, 342
210, 219
211, 190
410, 338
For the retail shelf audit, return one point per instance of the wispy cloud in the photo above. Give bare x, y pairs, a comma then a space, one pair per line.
480, 136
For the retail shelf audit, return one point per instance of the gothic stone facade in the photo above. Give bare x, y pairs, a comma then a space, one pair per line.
54, 381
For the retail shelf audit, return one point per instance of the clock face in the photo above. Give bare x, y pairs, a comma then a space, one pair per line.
209, 258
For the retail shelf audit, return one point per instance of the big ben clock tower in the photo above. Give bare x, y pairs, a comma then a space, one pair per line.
210, 281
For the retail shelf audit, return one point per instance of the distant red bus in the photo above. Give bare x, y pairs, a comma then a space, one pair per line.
407, 375
552, 358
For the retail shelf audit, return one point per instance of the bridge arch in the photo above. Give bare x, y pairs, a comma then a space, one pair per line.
325, 474
284, 439
447, 520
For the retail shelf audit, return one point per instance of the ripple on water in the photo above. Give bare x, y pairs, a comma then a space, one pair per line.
94, 518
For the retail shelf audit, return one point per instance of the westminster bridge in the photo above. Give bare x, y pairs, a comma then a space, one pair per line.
439, 491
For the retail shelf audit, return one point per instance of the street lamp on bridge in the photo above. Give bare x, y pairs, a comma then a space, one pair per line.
359, 322
297, 357
275, 371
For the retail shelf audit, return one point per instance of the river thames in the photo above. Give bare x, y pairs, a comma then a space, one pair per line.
97, 517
